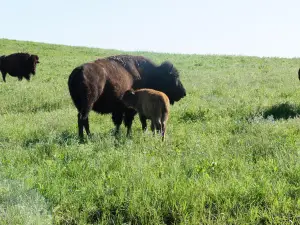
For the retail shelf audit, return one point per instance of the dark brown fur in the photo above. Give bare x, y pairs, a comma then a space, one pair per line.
299, 74
20, 65
150, 104
99, 86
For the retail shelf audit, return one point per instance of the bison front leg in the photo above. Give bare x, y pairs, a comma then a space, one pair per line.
129, 116
3, 75
117, 118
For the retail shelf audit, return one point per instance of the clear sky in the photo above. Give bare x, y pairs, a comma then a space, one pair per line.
239, 27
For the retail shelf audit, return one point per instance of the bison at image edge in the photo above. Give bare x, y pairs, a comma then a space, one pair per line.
20, 65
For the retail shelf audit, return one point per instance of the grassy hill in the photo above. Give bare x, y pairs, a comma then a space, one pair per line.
231, 154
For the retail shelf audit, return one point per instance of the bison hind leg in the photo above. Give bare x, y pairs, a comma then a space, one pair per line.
80, 127
128, 118
163, 129
83, 123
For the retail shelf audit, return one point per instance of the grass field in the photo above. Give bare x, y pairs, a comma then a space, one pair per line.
231, 154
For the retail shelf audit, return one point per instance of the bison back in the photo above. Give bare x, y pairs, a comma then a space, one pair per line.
99, 86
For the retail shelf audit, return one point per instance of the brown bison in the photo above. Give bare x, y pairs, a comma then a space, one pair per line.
299, 74
100, 85
18, 65
150, 104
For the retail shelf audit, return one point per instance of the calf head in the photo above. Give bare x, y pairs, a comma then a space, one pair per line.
129, 98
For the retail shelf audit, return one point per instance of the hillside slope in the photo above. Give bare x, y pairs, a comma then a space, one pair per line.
231, 154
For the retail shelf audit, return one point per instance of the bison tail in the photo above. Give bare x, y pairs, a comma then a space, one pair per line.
79, 93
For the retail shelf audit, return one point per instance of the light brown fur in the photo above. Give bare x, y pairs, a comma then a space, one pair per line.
150, 104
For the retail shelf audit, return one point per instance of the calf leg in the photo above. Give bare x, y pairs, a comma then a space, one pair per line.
143, 122
128, 118
158, 126
117, 118
152, 127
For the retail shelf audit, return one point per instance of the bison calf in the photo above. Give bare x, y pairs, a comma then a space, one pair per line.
18, 65
150, 104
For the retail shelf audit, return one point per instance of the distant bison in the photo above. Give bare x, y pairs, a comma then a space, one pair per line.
99, 86
18, 65
299, 74
150, 104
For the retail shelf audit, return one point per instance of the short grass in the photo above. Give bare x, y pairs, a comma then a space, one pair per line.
231, 154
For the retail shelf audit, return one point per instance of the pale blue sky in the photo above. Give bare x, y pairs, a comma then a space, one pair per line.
253, 27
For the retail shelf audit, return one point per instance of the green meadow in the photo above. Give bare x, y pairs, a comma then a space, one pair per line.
231, 154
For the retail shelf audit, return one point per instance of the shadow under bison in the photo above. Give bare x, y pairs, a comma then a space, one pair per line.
282, 111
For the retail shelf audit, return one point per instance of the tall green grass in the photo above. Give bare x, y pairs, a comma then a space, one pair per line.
231, 154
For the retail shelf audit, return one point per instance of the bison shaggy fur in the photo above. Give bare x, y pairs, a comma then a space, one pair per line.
150, 104
99, 86
20, 65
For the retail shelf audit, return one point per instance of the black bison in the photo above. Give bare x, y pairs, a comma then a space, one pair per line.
150, 104
299, 74
18, 65
100, 85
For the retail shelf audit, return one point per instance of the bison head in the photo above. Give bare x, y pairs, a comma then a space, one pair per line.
169, 82
34, 59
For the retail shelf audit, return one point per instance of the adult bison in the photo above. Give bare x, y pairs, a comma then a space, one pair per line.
18, 65
100, 85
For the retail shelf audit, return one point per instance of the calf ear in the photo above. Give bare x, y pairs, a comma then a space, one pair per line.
132, 92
